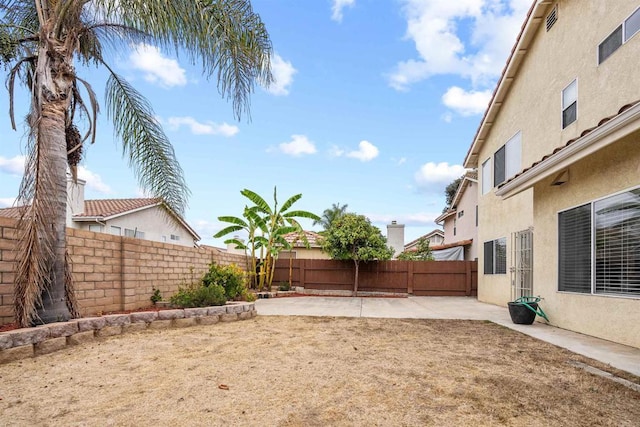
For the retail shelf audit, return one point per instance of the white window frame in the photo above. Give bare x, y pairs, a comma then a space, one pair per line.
96, 228
624, 37
512, 157
592, 253
115, 228
487, 176
563, 108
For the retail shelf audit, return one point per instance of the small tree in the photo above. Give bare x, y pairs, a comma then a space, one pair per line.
450, 192
422, 252
353, 237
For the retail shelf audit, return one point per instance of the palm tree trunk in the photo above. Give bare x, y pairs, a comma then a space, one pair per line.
54, 77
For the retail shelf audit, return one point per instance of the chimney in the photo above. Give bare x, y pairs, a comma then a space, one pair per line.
395, 237
231, 247
75, 198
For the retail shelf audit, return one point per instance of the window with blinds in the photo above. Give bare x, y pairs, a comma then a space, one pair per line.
599, 246
495, 256
617, 249
574, 239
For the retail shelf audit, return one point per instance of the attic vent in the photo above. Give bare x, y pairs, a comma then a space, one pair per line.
552, 17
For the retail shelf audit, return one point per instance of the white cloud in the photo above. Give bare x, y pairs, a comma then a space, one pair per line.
443, 48
400, 161
366, 151
434, 177
298, 146
466, 103
338, 6
336, 151
94, 181
156, 67
198, 128
282, 72
12, 166
7, 202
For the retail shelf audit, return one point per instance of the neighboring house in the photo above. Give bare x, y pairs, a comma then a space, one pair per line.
460, 221
300, 249
558, 155
435, 238
143, 218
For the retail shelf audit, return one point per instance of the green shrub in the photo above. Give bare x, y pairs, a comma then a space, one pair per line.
230, 277
198, 295
284, 286
156, 296
248, 296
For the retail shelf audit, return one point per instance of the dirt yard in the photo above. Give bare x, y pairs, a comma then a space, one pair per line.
304, 371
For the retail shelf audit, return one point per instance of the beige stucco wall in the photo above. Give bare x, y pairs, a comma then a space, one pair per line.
533, 106
152, 221
304, 253
613, 318
466, 225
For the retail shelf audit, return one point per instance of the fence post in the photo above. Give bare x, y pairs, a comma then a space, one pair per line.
468, 277
302, 265
409, 277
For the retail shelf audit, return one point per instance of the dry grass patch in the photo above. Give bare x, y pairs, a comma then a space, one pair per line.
305, 371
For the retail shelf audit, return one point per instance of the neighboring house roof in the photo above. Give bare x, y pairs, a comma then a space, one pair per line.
106, 209
604, 133
534, 19
428, 236
469, 177
452, 245
10, 212
295, 239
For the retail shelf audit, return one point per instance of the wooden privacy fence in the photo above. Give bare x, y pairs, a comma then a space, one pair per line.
421, 278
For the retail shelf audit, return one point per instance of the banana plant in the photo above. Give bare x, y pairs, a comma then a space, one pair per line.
266, 227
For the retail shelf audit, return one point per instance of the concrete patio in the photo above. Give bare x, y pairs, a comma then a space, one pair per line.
619, 356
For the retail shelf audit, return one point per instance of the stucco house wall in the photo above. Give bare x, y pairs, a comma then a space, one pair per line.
153, 222
615, 318
549, 61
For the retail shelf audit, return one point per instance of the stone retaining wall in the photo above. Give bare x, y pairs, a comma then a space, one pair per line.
29, 342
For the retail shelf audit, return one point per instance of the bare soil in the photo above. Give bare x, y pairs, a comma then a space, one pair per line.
305, 371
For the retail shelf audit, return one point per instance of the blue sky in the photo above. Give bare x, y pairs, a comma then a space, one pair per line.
374, 106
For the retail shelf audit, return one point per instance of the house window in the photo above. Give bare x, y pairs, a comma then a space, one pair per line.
600, 246
610, 45
96, 228
507, 160
139, 234
486, 176
460, 214
570, 104
455, 221
632, 25
619, 36
116, 231
175, 237
129, 233
495, 256
164, 238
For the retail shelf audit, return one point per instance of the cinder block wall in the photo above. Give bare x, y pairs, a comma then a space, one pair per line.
113, 273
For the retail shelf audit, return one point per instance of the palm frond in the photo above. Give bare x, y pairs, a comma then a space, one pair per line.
226, 37
228, 230
148, 149
301, 214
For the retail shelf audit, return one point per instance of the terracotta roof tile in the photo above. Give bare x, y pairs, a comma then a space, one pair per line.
295, 239
110, 207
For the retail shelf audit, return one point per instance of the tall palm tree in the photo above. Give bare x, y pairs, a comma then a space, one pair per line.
40, 43
331, 214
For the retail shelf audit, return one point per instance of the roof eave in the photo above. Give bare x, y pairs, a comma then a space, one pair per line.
610, 132
533, 21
